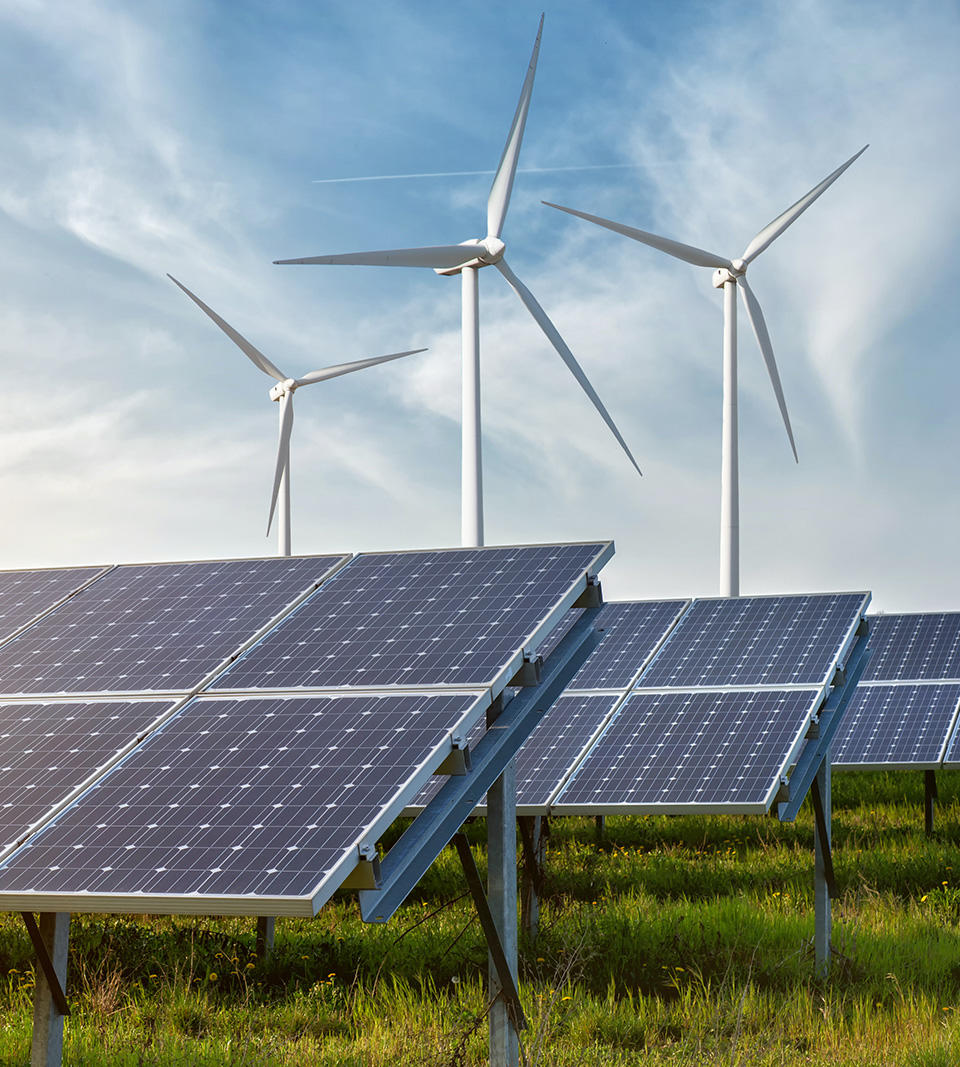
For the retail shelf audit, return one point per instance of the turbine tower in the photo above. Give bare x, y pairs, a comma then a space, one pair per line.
283, 392
466, 259
730, 275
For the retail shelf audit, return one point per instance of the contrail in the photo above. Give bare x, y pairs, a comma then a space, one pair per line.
469, 173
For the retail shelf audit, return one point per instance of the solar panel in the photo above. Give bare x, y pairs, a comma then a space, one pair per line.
26, 594
914, 648
895, 726
675, 752
253, 800
455, 617
48, 750
160, 627
632, 632
754, 641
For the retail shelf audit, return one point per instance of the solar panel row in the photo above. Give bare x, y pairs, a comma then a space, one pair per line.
253, 802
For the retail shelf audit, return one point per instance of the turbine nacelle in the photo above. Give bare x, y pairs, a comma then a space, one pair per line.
490, 250
724, 275
282, 389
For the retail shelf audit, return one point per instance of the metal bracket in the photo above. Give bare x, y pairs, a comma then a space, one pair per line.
530, 672
592, 596
458, 761
405, 863
821, 821
46, 964
366, 874
508, 987
817, 749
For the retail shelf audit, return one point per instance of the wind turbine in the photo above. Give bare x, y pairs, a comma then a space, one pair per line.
466, 259
283, 392
729, 275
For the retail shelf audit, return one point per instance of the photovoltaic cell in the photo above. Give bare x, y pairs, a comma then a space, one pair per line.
914, 648
454, 617
632, 631
677, 751
154, 627
895, 725
26, 594
48, 750
752, 641
254, 797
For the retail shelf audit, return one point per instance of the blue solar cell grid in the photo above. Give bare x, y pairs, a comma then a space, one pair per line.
261, 797
671, 752
914, 648
48, 750
154, 627
456, 617
753, 641
26, 594
632, 632
895, 726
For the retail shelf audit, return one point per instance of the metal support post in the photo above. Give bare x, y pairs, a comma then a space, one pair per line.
824, 886
51, 940
600, 826
266, 928
502, 895
533, 842
929, 797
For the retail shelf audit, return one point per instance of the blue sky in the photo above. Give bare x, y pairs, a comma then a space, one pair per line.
190, 138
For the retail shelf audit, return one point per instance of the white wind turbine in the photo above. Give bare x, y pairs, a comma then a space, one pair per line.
730, 274
466, 259
283, 393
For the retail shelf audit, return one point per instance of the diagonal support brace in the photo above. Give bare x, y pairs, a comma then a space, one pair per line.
508, 987
824, 837
46, 964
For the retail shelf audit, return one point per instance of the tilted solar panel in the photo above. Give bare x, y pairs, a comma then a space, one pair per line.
753, 641
454, 617
245, 806
675, 752
896, 726
26, 594
914, 648
48, 750
159, 627
632, 632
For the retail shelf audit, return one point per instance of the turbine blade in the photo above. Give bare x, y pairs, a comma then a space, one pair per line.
499, 199
349, 368
254, 354
772, 230
563, 351
688, 253
436, 256
283, 453
755, 315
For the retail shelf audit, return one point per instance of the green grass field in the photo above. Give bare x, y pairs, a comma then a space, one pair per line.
678, 941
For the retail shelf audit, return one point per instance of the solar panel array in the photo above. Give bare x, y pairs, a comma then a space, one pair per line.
25, 595
905, 712
686, 707
254, 799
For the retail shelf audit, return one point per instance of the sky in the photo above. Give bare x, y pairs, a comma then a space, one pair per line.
204, 138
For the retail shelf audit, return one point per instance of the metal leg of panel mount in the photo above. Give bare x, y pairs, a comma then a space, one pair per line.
50, 941
266, 928
502, 895
824, 886
532, 840
600, 826
929, 798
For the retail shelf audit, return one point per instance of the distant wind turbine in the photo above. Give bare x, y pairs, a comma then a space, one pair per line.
730, 275
283, 393
466, 259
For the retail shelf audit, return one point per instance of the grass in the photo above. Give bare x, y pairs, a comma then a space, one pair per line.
676, 941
